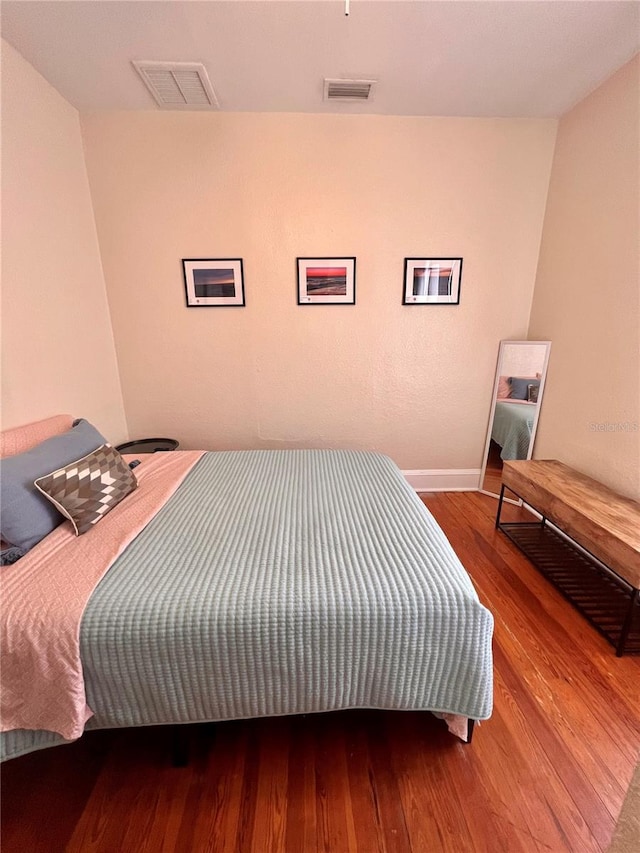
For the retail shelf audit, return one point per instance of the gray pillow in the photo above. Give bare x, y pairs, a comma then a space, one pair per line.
520, 387
26, 516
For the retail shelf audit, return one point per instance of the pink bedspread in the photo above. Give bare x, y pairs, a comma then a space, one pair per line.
44, 596
20, 439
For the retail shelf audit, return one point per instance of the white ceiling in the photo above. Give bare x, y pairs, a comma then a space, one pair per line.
451, 58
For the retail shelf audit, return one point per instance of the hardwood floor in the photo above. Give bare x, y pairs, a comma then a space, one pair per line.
492, 480
548, 772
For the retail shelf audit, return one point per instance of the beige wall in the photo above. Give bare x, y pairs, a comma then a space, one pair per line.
414, 382
58, 352
587, 295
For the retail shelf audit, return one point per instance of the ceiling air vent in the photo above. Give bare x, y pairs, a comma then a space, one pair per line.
348, 90
178, 85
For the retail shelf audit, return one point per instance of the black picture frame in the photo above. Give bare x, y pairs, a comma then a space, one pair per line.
326, 281
432, 281
213, 282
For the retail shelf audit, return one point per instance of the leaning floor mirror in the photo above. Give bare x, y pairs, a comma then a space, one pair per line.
515, 408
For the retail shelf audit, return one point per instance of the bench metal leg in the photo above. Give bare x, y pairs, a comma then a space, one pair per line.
500, 502
626, 627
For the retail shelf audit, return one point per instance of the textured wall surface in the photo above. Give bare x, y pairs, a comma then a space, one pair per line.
414, 382
587, 295
58, 352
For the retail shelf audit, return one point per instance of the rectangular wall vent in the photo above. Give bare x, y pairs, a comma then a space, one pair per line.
178, 85
348, 90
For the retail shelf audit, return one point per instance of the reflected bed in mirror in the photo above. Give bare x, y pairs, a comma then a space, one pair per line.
515, 407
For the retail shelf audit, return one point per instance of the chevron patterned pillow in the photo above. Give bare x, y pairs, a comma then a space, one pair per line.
86, 490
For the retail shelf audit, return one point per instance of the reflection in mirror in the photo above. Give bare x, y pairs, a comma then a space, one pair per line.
515, 406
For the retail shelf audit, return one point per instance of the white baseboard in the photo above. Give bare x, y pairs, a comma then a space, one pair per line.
444, 480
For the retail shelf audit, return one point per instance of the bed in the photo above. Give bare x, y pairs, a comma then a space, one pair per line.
280, 582
512, 427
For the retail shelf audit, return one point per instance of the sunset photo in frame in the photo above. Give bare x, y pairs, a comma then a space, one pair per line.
326, 281
213, 282
432, 281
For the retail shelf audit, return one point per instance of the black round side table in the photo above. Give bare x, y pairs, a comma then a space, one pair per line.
148, 445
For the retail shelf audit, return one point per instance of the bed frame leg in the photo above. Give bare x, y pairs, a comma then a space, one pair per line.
179, 746
470, 725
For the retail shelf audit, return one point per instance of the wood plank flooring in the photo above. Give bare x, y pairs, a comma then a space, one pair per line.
548, 772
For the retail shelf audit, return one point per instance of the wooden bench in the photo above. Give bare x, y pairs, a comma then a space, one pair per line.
591, 548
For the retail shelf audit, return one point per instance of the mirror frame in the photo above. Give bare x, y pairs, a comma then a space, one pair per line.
543, 379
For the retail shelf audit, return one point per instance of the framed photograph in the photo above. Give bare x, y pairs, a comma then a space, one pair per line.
432, 281
326, 281
213, 282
